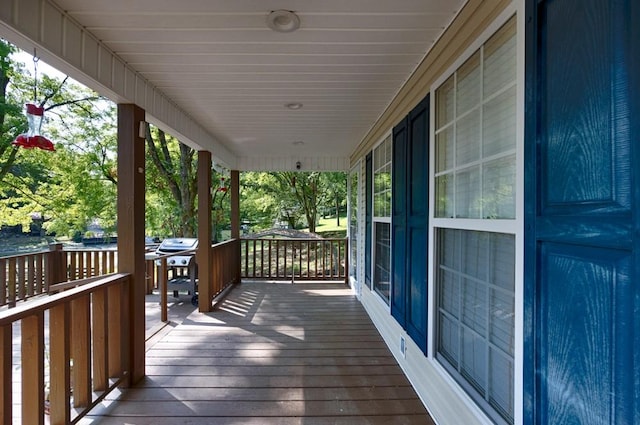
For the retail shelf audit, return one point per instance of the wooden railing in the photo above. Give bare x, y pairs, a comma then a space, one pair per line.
86, 355
294, 259
25, 276
226, 266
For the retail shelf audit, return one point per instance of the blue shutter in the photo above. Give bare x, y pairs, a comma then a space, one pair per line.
369, 218
582, 297
409, 218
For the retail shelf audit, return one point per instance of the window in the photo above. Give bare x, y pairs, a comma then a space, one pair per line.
475, 179
476, 301
382, 219
475, 134
353, 223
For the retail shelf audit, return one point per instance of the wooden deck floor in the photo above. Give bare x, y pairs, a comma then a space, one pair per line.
271, 354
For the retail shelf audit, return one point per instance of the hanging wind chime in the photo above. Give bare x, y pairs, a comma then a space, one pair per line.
35, 115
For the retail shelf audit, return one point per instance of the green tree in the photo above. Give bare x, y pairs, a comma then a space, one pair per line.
73, 185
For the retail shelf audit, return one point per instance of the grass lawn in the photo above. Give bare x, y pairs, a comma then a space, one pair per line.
328, 225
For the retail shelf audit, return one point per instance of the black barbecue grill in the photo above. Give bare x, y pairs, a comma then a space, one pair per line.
180, 263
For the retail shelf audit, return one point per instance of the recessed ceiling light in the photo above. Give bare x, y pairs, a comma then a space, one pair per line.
293, 105
298, 143
283, 21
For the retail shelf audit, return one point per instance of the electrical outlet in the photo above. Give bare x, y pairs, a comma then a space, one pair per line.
403, 347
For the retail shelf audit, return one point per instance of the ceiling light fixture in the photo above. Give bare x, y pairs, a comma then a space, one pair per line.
293, 106
283, 21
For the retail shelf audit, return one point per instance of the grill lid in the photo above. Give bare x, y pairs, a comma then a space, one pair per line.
176, 245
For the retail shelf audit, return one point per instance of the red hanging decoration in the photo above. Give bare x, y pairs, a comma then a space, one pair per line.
33, 138
222, 187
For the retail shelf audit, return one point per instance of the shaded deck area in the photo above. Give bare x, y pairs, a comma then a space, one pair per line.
283, 354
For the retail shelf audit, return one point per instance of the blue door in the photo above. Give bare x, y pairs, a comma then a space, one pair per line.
582, 215
409, 219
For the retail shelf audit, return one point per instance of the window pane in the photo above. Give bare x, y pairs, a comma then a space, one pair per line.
498, 190
474, 305
449, 294
474, 359
448, 340
468, 85
500, 59
501, 386
502, 321
475, 327
444, 150
468, 193
499, 124
445, 102
444, 196
468, 134
382, 272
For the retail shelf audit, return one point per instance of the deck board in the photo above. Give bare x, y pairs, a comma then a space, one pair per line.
271, 354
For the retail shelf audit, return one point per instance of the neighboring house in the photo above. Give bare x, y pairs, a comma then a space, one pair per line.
495, 212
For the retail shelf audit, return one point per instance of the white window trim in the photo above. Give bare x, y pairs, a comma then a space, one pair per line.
375, 219
358, 279
515, 226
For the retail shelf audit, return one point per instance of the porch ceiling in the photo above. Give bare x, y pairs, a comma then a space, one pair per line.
221, 64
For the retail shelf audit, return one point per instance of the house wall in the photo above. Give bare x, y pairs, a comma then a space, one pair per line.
444, 398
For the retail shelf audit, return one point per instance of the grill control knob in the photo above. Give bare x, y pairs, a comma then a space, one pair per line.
184, 261
172, 261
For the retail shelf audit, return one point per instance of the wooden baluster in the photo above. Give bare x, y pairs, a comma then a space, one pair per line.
3, 282
309, 259
277, 259
270, 265
32, 356
31, 276
334, 267
97, 271
82, 272
163, 289
99, 316
6, 372
59, 364
12, 283
253, 258
246, 258
80, 351
315, 256
39, 275
73, 269
21, 279
261, 257
114, 330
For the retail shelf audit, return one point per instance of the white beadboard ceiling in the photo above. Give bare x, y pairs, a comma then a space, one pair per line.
219, 62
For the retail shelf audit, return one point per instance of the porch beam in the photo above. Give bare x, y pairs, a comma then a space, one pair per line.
131, 189
203, 255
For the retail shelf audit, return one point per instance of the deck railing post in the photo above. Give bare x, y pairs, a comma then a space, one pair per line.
56, 268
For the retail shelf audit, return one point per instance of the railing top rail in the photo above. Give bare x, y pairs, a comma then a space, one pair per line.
223, 243
47, 302
26, 254
296, 239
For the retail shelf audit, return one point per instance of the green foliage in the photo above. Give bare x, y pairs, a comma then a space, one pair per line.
72, 186
270, 198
